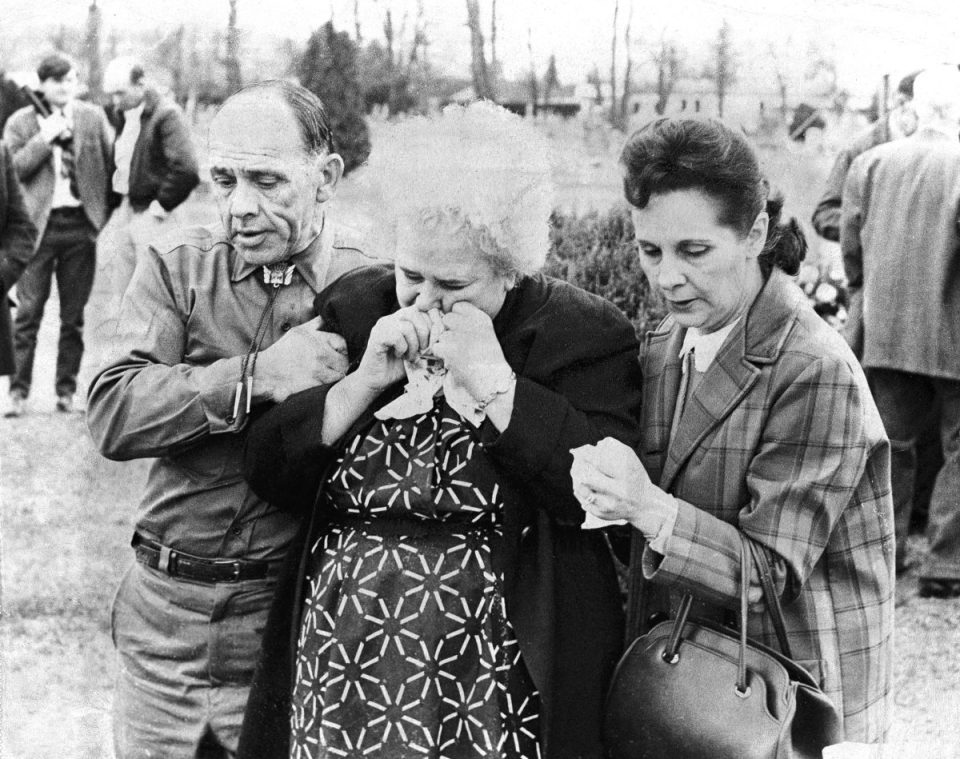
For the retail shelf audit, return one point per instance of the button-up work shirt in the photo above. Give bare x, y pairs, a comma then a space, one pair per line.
188, 319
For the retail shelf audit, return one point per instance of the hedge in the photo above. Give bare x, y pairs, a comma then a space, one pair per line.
596, 252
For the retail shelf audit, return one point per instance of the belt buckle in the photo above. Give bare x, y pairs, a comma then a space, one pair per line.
236, 571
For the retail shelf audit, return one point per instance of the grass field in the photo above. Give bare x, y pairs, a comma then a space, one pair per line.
67, 518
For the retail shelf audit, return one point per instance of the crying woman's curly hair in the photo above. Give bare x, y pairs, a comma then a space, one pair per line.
692, 154
478, 172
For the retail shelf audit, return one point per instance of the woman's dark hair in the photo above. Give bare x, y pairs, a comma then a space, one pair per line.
668, 155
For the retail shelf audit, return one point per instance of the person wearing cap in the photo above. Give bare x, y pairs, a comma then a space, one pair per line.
156, 168
63, 158
217, 325
900, 242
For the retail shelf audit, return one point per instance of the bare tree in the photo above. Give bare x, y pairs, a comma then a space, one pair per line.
667, 60
231, 61
356, 21
534, 86
613, 64
724, 64
625, 97
551, 79
479, 69
781, 80
493, 35
593, 78
91, 51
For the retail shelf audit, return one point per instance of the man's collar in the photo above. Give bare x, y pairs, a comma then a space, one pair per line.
312, 262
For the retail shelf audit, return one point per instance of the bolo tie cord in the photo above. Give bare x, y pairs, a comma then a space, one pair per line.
250, 360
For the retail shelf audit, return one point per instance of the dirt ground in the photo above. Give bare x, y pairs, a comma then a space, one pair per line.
66, 520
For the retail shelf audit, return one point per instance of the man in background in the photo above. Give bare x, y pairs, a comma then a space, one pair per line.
62, 151
216, 324
900, 242
901, 121
18, 236
156, 169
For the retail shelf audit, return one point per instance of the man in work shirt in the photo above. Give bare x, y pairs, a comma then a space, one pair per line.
217, 325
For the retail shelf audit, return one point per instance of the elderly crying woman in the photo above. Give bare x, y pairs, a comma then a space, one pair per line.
447, 601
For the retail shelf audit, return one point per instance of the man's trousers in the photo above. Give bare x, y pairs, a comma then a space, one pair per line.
187, 652
906, 401
67, 251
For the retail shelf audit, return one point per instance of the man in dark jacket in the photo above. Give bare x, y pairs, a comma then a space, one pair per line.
17, 237
63, 157
156, 169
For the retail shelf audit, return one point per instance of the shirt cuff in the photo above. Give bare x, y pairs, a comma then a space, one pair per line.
659, 541
218, 391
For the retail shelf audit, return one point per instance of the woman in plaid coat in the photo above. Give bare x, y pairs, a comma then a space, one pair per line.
757, 420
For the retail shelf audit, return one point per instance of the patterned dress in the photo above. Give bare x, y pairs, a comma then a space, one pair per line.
405, 649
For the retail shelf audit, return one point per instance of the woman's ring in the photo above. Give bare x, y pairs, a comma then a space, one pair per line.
591, 499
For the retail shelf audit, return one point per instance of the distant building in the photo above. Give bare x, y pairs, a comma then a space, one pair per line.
517, 98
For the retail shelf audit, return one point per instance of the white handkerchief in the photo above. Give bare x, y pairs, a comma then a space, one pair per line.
590, 521
425, 378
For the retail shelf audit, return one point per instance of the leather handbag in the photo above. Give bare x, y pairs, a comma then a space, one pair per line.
693, 690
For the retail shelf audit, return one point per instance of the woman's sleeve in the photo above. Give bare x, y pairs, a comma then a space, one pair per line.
813, 454
284, 456
593, 394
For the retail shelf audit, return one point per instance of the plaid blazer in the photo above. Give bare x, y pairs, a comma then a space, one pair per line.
781, 440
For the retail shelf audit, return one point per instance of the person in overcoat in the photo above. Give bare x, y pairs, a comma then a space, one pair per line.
757, 421
18, 234
446, 600
900, 239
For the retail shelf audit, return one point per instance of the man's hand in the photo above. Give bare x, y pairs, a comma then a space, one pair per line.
53, 126
303, 358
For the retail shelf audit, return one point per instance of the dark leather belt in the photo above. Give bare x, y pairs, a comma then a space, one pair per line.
188, 567
67, 211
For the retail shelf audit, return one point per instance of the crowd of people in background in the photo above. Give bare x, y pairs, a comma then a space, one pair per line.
365, 528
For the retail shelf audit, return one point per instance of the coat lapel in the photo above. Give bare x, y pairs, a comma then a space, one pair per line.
661, 382
756, 341
728, 379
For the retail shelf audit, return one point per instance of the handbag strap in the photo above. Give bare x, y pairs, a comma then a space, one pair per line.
770, 594
636, 588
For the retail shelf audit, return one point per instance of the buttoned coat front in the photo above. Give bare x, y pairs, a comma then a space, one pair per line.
781, 440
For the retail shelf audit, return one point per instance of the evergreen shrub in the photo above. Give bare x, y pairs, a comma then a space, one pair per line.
596, 251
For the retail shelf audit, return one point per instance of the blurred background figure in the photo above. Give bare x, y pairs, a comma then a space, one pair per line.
156, 168
899, 238
17, 237
901, 121
62, 153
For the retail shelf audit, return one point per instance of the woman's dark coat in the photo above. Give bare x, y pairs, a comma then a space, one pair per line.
17, 237
575, 356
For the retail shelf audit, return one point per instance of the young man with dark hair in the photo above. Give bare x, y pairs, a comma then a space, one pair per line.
62, 153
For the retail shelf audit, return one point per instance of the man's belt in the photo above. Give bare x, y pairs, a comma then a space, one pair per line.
188, 567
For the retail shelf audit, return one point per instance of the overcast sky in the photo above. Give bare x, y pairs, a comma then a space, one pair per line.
866, 37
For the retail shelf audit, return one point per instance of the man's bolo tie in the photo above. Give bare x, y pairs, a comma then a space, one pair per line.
275, 275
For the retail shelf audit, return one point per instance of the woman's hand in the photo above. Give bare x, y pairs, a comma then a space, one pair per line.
399, 336
611, 483
471, 351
